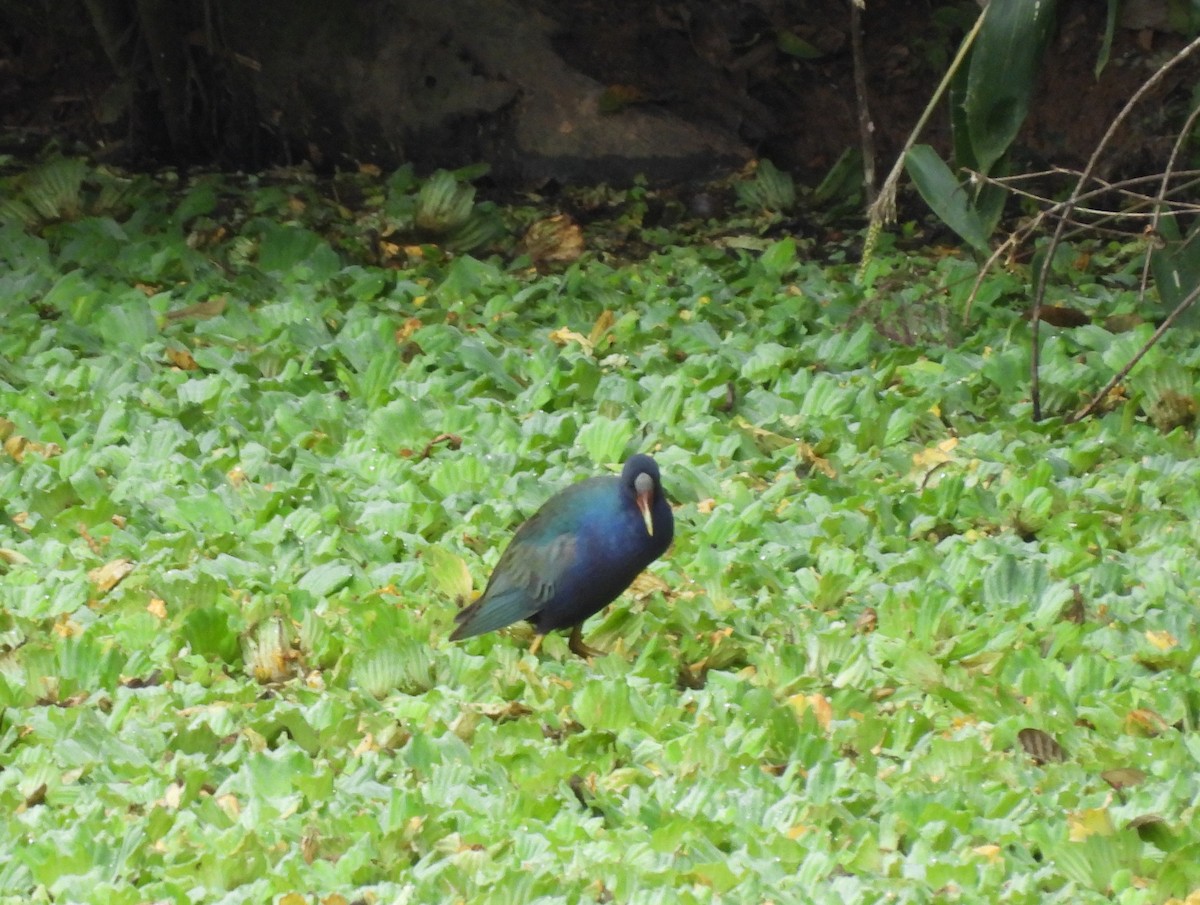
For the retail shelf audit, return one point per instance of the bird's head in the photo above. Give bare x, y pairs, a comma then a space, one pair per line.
641, 473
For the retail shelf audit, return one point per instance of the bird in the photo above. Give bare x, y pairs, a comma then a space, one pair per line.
578, 552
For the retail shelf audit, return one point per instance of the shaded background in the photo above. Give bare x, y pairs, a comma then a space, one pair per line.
583, 91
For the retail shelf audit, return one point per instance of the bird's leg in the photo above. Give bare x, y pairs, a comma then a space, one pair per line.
537, 644
579, 648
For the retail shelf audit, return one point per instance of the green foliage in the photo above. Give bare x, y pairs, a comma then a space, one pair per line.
241, 500
443, 204
989, 102
952, 202
1002, 75
771, 189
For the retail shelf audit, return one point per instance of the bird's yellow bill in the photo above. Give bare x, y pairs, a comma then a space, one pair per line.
643, 502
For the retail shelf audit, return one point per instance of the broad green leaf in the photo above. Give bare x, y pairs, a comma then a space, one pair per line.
1003, 74
325, 579
606, 439
946, 197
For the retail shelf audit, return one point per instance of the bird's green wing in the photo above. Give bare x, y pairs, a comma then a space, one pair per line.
524, 580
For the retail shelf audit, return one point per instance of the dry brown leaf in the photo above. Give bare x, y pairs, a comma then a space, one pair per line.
13, 558
555, 240
310, 846
822, 709
182, 359
405, 331
1075, 611
1062, 316
1041, 746
200, 311
506, 712
1144, 721
109, 575
1123, 777
33, 799
646, 584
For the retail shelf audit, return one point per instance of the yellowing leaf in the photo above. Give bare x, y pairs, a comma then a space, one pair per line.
705, 507
268, 653
67, 628
562, 336
767, 441
1089, 822
230, 805
1193, 898
109, 575
821, 709
603, 324
1162, 640
813, 461
157, 607
173, 796
15, 447
990, 853
935, 455
448, 572
13, 558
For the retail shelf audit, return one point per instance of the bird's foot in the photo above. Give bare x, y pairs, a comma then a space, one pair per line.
579, 648
537, 644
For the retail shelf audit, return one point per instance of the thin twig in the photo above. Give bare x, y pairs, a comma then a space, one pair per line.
866, 128
883, 210
1185, 132
1044, 273
1187, 302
